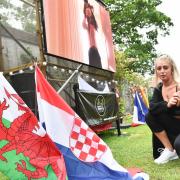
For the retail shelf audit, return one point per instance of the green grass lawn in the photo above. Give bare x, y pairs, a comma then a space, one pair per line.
133, 149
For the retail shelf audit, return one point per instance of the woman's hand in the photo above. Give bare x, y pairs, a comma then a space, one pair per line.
178, 97
174, 100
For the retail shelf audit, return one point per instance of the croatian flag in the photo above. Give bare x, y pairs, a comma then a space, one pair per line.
86, 156
140, 110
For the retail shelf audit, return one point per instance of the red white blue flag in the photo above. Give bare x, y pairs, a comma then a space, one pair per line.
140, 110
86, 156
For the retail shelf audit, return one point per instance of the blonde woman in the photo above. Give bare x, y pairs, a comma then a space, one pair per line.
164, 111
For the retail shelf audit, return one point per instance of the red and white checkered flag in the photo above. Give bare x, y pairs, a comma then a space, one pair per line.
84, 143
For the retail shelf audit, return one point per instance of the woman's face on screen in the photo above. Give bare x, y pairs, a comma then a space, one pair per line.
88, 12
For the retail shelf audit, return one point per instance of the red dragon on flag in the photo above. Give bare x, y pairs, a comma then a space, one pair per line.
26, 136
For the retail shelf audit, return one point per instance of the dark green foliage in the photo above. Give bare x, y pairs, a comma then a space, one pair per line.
136, 25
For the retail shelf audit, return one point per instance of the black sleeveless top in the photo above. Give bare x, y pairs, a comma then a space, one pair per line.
158, 105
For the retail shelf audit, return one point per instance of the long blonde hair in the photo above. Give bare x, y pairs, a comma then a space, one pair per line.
175, 72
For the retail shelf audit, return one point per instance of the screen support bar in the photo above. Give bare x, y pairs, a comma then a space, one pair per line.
67, 81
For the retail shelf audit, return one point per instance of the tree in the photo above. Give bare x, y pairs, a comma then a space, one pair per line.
21, 12
6, 10
127, 79
27, 15
124, 73
136, 24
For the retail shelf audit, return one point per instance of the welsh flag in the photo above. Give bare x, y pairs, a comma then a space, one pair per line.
86, 155
26, 151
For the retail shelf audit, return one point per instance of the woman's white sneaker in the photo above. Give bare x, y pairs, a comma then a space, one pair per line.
166, 156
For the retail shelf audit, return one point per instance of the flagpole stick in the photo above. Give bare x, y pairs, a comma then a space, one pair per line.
67, 81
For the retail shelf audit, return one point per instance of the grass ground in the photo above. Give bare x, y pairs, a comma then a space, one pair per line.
133, 149
3, 177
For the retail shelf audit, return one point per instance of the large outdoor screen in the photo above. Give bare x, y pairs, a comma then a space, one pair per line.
79, 30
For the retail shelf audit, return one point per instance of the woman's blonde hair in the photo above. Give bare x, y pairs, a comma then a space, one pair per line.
168, 59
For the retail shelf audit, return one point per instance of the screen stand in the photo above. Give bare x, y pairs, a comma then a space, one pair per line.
67, 81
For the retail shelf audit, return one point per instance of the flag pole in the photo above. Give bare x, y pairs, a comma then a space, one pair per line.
67, 81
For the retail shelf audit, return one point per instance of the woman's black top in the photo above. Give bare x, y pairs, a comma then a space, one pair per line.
158, 105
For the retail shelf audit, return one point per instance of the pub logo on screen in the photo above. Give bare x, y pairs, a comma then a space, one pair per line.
100, 105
